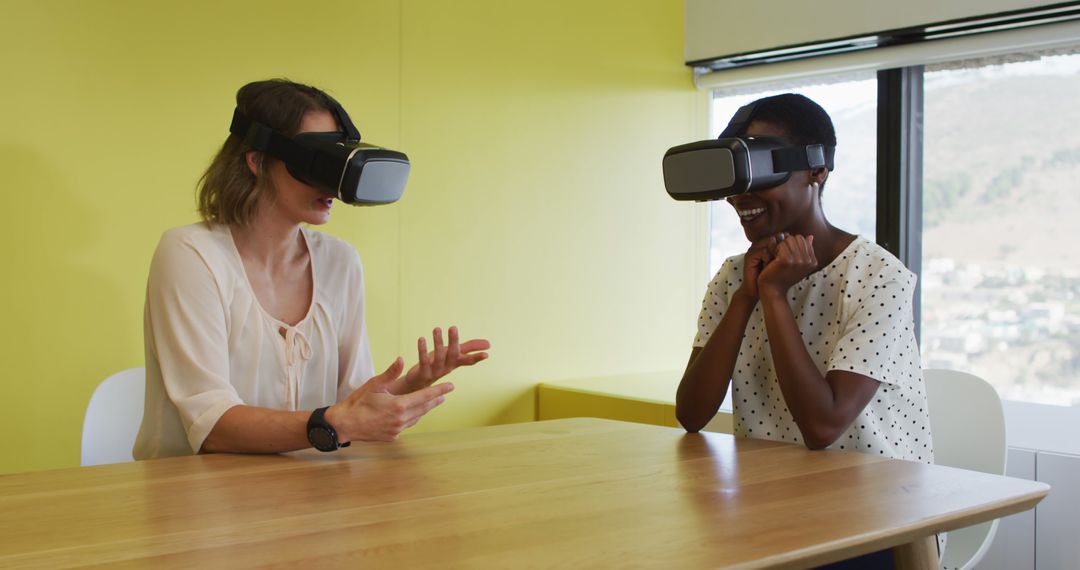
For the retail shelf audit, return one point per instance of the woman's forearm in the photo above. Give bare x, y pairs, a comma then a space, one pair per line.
707, 377
809, 397
251, 429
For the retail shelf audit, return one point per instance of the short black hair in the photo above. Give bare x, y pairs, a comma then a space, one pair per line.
802, 120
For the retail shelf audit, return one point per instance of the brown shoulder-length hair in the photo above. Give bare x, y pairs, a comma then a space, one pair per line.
229, 193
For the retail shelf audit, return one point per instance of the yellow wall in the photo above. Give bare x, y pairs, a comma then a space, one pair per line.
535, 215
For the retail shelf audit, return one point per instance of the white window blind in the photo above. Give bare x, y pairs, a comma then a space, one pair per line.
1063, 35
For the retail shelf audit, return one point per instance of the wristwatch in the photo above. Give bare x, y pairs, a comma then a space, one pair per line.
321, 434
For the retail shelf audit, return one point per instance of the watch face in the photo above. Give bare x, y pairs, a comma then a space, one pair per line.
321, 439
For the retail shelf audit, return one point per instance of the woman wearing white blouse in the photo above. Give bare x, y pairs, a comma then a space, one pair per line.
254, 325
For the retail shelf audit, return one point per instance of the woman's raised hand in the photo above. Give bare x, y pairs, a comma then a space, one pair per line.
793, 261
373, 413
760, 254
441, 360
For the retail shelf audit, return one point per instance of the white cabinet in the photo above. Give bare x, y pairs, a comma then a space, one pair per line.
1014, 544
1047, 537
1057, 518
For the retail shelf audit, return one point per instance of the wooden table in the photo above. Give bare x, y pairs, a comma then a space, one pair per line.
564, 493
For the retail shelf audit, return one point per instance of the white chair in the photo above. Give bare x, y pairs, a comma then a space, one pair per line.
968, 427
113, 417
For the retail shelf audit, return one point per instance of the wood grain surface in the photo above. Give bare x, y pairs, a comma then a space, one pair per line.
562, 493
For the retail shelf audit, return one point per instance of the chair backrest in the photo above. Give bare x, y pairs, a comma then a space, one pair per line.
968, 427
113, 417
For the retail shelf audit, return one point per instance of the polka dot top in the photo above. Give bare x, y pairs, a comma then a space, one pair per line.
854, 315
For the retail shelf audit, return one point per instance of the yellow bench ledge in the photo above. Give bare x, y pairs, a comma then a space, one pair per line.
647, 398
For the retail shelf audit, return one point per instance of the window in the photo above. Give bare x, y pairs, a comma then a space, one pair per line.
975, 166
850, 196
1000, 264
999, 267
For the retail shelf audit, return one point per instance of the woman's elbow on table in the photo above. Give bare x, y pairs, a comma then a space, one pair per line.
690, 421
820, 436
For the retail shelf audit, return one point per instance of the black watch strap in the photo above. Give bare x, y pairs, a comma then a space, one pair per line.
321, 435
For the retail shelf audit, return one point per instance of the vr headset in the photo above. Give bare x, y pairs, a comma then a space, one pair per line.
336, 163
730, 165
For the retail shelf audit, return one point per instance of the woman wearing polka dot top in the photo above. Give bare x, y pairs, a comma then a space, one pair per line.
812, 327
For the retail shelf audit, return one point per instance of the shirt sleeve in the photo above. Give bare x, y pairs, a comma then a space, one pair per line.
186, 320
878, 336
715, 303
354, 350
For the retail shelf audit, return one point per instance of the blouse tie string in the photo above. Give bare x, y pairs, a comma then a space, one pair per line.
297, 347
297, 351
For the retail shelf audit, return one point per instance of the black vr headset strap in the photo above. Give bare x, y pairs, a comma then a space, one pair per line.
738, 123
352, 134
789, 159
809, 157
261, 137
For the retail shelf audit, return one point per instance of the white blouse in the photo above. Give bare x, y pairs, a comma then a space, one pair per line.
855, 315
210, 345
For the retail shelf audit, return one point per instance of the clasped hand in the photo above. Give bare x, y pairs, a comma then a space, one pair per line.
775, 263
390, 403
